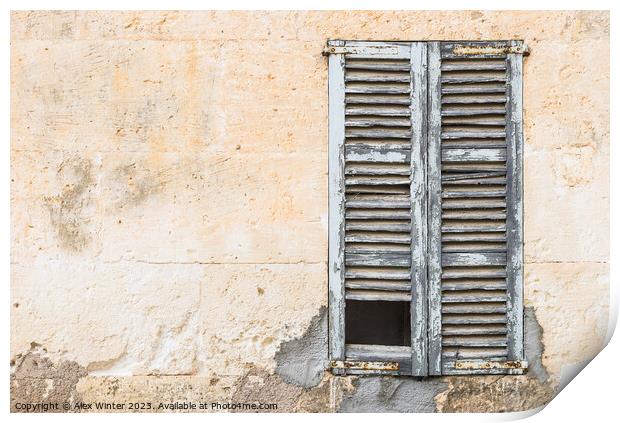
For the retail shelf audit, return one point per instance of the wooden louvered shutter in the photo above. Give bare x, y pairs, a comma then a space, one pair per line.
475, 208
377, 211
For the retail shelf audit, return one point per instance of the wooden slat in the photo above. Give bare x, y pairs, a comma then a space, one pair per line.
473, 259
360, 295
474, 100
460, 330
377, 99
474, 121
471, 111
379, 189
473, 155
377, 155
379, 285
377, 180
473, 215
472, 144
377, 274
386, 122
488, 193
472, 274
391, 214
472, 248
472, 167
477, 66
472, 236
455, 135
490, 308
378, 133
377, 352
473, 341
473, 90
380, 238
498, 228
474, 353
376, 90
384, 67
377, 169
378, 259
472, 319
460, 297
376, 111
377, 78
381, 226
470, 175
450, 204
499, 180
471, 79
380, 202
476, 285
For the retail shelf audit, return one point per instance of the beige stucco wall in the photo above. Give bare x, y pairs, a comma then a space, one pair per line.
169, 191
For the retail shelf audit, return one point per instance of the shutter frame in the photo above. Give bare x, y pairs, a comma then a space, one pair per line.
514, 201
419, 220
336, 206
434, 209
426, 155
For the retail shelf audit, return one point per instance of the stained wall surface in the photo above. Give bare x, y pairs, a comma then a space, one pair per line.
169, 206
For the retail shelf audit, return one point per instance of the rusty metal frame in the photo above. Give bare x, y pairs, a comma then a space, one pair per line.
344, 367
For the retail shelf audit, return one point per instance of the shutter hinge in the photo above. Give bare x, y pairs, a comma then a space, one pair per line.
474, 50
364, 50
488, 365
334, 50
384, 366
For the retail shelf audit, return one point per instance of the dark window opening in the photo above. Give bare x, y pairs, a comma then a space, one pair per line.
378, 322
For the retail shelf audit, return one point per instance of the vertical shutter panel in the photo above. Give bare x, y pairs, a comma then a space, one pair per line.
371, 158
475, 208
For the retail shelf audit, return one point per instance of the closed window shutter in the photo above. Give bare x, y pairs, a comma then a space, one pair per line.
377, 98
425, 150
475, 208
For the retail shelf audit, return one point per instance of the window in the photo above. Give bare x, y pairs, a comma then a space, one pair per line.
425, 207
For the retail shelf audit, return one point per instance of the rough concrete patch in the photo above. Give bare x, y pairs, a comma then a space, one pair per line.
498, 394
36, 379
302, 361
70, 210
534, 347
259, 387
392, 394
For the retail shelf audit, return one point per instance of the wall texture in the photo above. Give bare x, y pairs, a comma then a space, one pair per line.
169, 206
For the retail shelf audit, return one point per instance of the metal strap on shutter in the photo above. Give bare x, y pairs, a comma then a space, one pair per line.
377, 99
475, 261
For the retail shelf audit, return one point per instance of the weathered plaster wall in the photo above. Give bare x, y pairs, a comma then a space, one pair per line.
169, 205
